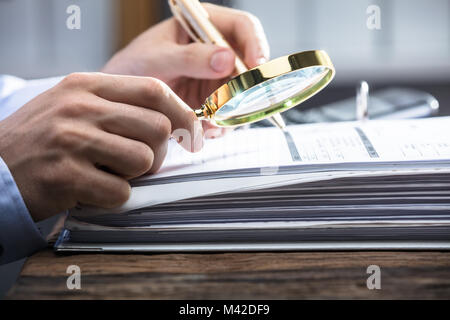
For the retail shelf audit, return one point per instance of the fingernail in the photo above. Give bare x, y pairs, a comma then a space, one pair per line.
213, 133
222, 60
261, 61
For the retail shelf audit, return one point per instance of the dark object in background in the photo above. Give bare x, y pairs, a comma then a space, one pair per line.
392, 103
343, 98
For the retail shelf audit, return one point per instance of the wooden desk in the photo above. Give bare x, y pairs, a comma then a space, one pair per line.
405, 275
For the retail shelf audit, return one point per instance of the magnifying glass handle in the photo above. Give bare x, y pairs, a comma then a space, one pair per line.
278, 121
195, 20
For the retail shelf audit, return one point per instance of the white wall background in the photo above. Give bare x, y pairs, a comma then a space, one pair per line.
413, 44
35, 42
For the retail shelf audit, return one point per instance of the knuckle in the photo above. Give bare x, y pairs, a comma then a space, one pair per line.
144, 158
249, 19
63, 176
77, 79
122, 193
252, 23
83, 108
119, 195
63, 135
58, 134
69, 177
157, 164
163, 126
188, 55
157, 88
74, 107
208, 5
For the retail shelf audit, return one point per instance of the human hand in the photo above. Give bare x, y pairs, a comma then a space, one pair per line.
194, 70
80, 142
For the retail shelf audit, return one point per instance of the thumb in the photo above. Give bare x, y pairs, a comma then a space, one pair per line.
204, 61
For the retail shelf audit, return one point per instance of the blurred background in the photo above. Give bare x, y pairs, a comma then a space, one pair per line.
412, 48
413, 44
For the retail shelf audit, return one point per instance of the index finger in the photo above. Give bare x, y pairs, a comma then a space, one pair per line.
244, 29
153, 94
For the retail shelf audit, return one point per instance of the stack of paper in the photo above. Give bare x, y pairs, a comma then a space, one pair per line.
371, 185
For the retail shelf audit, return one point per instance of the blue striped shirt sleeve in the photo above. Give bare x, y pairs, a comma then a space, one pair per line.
19, 236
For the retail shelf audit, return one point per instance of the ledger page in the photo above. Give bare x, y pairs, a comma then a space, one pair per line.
351, 142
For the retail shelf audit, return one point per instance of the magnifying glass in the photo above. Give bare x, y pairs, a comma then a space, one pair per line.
260, 93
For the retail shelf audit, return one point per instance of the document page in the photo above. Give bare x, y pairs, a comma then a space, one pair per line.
360, 181
252, 159
375, 141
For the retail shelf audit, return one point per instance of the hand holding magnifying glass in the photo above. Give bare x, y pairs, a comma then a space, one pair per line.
260, 93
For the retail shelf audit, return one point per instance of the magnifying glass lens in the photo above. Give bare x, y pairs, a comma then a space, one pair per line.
272, 96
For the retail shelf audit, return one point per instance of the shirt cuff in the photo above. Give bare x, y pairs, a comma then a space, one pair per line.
21, 92
19, 235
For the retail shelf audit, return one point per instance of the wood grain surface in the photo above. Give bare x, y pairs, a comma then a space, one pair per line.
307, 275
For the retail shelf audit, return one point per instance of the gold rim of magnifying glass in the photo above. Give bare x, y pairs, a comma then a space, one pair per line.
265, 72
